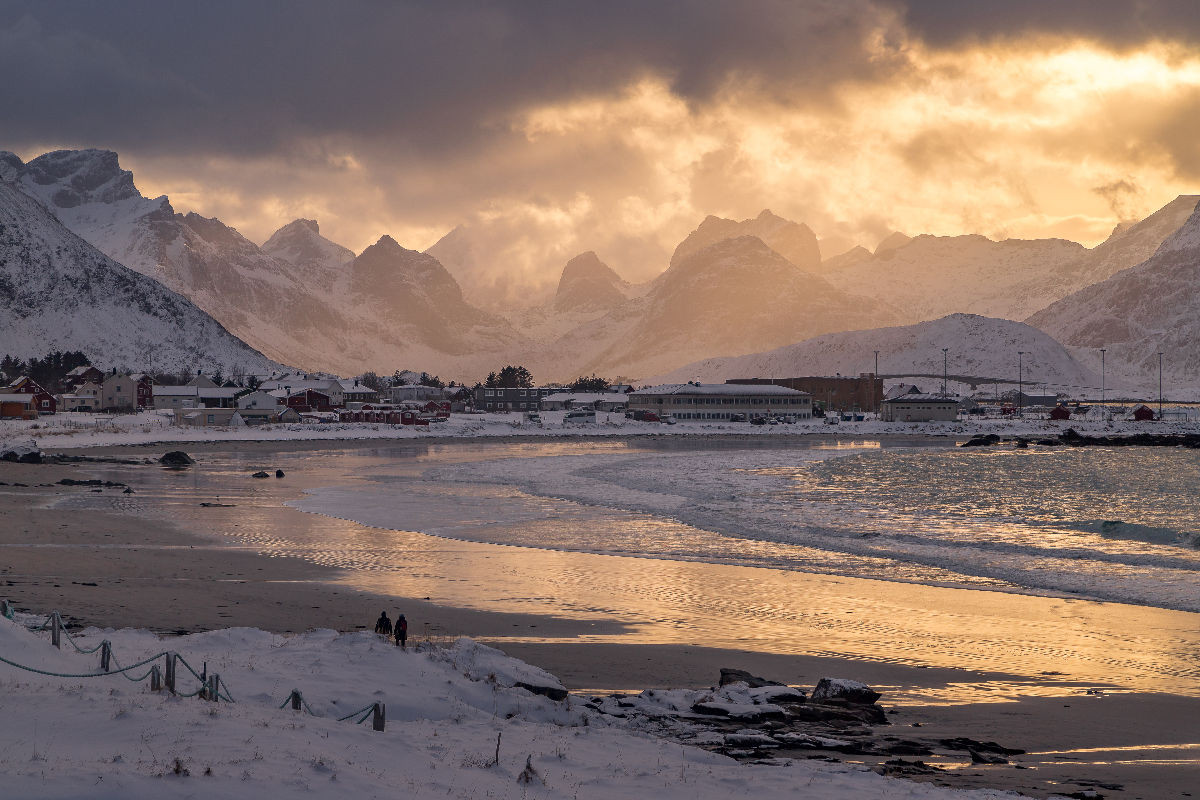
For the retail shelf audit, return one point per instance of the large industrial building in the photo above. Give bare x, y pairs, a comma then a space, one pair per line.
721, 401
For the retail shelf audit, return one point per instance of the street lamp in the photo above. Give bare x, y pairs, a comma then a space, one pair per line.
944, 371
1020, 382
1103, 350
874, 379
1160, 387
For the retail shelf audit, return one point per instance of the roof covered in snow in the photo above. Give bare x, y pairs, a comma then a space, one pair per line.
720, 389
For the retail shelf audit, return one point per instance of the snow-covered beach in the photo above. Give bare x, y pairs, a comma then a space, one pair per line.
507, 594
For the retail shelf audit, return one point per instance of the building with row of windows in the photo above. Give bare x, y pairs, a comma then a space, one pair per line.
722, 401
513, 399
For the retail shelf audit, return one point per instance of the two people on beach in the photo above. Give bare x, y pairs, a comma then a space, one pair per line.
383, 626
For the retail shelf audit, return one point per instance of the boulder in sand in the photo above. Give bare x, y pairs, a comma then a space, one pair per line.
177, 458
844, 690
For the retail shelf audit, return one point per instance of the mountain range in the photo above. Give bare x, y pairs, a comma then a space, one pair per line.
732, 288
57, 292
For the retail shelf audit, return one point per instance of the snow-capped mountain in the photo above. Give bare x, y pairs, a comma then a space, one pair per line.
419, 300
587, 283
795, 241
59, 292
928, 277
976, 346
299, 298
314, 257
1137, 313
735, 296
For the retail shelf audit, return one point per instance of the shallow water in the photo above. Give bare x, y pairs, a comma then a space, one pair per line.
757, 548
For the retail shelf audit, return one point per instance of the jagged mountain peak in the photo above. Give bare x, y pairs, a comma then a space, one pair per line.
11, 166
587, 283
82, 176
300, 244
795, 241
892, 241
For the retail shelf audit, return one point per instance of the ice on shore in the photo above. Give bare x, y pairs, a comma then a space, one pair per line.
107, 737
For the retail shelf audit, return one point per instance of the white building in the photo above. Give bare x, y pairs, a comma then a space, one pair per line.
175, 397
722, 400
330, 387
920, 408
411, 392
598, 401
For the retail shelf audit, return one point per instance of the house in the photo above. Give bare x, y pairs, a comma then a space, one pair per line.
838, 393
43, 401
118, 393
86, 397
330, 387
597, 401
205, 417
414, 393
920, 408
304, 400
355, 392
81, 375
1060, 412
260, 400
175, 397
218, 396
144, 385
202, 380
1143, 413
514, 399
721, 400
18, 406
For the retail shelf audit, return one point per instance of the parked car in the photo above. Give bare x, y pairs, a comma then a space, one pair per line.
737, 417
667, 419
580, 416
758, 420
533, 416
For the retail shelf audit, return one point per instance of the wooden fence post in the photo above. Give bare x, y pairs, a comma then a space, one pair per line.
106, 656
170, 677
378, 716
156, 682
56, 630
6, 609
296, 700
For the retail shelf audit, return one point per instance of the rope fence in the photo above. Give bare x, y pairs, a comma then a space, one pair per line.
211, 687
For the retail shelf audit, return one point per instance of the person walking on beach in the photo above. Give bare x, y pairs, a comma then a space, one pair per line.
401, 632
383, 625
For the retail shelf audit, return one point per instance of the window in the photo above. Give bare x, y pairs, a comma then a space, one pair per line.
487, 393
212, 418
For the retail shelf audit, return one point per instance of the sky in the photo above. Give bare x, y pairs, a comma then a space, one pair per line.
545, 129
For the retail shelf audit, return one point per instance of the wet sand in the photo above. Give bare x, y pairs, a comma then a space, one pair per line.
108, 570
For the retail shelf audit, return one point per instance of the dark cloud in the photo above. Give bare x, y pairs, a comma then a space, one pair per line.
1119, 23
236, 77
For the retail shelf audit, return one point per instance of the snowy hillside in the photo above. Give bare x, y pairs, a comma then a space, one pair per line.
930, 276
976, 346
1137, 313
59, 292
588, 283
314, 257
795, 241
458, 725
295, 299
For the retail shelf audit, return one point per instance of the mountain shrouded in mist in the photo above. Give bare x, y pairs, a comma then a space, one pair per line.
1139, 312
589, 283
792, 240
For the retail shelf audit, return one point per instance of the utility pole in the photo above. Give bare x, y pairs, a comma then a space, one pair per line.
1103, 350
1160, 387
1020, 382
945, 371
875, 378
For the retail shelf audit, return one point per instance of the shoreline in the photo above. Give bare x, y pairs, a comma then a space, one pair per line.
291, 594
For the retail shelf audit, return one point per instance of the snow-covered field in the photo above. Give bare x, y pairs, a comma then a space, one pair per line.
450, 711
69, 430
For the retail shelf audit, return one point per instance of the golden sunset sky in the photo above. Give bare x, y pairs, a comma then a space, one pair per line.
548, 129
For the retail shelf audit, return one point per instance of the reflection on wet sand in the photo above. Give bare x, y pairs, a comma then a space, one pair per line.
1061, 643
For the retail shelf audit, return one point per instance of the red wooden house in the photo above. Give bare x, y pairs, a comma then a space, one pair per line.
81, 375
1143, 413
309, 400
1060, 412
43, 401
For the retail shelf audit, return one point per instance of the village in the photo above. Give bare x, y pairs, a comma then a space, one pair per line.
317, 399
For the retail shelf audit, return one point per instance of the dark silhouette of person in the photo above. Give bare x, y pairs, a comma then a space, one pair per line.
383, 625
401, 632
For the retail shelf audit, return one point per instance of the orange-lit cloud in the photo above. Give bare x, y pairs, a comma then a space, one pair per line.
546, 137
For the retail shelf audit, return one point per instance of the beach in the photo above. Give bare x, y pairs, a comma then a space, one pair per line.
201, 568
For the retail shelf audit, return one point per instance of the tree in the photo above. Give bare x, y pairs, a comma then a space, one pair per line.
510, 378
592, 384
372, 381
217, 377
431, 380
252, 383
